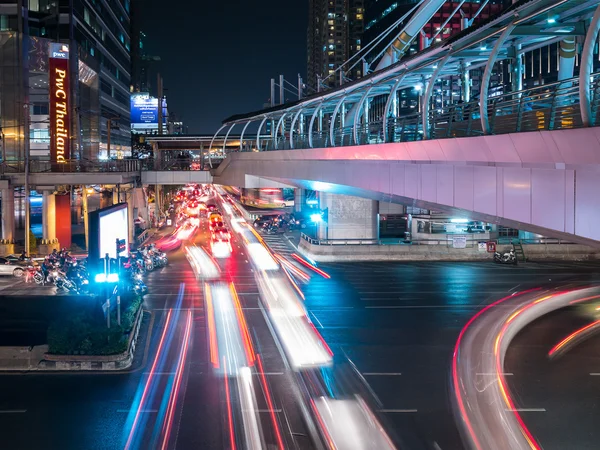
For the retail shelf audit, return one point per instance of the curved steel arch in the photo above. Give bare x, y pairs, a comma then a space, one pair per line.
312, 121
277, 129
227, 135
585, 70
388, 103
262, 122
427, 97
295, 118
487, 75
359, 112
333, 117
244, 131
212, 141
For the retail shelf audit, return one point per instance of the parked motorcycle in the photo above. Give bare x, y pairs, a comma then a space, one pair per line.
506, 257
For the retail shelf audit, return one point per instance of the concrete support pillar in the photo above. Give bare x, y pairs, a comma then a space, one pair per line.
348, 217
157, 202
299, 199
86, 222
130, 198
115, 196
8, 214
49, 216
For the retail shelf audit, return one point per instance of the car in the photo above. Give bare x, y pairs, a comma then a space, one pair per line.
211, 206
15, 268
214, 225
288, 202
220, 233
220, 248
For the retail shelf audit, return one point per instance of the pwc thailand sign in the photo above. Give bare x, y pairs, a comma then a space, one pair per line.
60, 112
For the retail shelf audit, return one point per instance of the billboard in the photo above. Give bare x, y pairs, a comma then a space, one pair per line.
60, 113
106, 226
144, 113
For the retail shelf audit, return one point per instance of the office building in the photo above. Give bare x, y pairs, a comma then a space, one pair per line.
334, 35
85, 42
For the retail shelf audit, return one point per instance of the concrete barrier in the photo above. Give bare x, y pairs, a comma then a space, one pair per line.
533, 252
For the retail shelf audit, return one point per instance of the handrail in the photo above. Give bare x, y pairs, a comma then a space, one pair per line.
448, 242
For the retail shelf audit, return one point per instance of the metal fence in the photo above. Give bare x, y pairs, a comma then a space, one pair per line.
71, 166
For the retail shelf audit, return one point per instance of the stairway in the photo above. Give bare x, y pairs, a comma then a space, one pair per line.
519, 252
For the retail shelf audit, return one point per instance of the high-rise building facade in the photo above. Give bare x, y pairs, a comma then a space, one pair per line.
334, 35
92, 39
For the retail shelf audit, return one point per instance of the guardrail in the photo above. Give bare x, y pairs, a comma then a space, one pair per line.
70, 166
552, 106
449, 242
541, 241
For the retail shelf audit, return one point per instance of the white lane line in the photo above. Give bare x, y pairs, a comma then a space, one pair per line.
398, 410
13, 411
268, 373
141, 410
381, 374
267, 410
317, 319
595, 374
423, 306
527, 410
160, 373
493, 374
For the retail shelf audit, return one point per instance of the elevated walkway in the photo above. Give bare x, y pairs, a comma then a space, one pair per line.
546, 182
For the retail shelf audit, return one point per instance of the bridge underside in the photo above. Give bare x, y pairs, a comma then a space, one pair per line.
544, 182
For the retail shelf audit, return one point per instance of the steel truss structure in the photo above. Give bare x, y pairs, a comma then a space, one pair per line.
366, 111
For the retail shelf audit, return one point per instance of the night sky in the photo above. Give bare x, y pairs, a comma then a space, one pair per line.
218, 57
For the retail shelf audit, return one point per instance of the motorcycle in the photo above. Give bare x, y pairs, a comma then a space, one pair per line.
506, 257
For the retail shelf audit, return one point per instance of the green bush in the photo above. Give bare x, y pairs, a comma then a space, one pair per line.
83, 334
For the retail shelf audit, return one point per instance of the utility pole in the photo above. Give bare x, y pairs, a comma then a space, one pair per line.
23, 30
159, 87
281, 91
300, 87
272, 92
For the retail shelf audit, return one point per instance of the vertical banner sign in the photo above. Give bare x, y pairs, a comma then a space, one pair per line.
60, 113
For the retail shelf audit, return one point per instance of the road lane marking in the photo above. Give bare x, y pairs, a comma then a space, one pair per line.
398, 410
595, 374
266, 410
161, 373
317, 319
493, 374
141, 410
268, 373
381, 374
527, 410
13, 411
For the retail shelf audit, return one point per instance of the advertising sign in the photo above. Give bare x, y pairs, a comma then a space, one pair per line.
459, 242
491, 247
107, 226
144, 113
60, 113
482, 246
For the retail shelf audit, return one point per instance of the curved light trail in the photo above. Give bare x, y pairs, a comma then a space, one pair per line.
486, 411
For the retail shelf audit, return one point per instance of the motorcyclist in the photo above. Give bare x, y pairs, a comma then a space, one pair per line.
46, 267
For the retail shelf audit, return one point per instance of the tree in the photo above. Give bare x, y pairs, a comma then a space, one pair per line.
32, 242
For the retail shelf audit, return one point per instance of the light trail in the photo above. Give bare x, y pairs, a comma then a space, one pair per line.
267, 392
455, 377
168, 423
148, 381
310, 266
578, 333
229, 412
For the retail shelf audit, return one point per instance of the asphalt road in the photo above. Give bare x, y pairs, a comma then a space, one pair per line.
399, 321
108, 411
560, 396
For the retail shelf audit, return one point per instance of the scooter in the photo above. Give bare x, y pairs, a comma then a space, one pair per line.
506, 257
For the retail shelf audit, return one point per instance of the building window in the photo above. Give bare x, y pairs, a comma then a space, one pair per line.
86, 16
